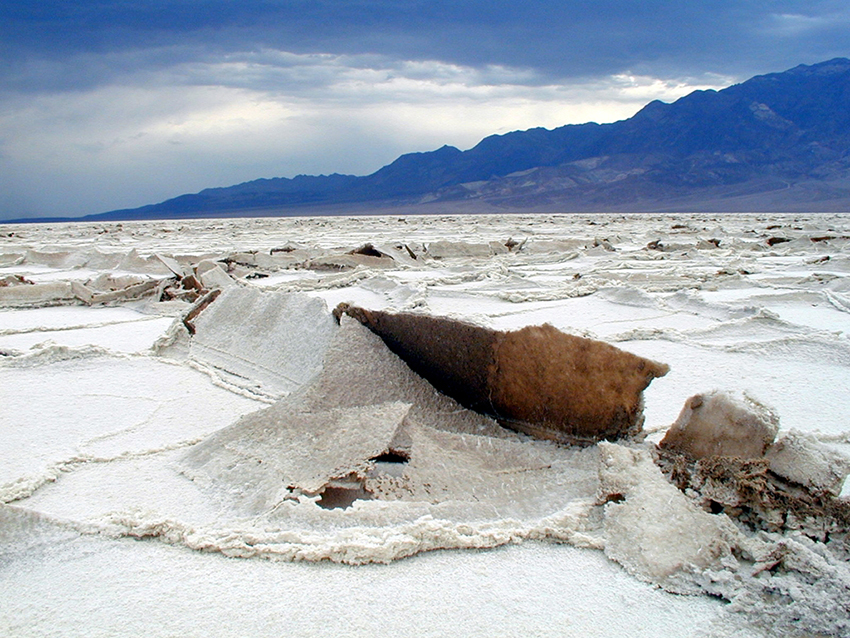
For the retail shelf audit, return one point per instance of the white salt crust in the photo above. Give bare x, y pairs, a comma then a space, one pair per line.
105, 439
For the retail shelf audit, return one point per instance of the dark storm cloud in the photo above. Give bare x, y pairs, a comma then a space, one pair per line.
59, 44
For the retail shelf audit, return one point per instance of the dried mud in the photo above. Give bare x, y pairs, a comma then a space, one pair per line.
537, 380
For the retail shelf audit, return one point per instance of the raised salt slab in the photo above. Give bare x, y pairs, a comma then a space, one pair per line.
272, 342
263, 458
537, 380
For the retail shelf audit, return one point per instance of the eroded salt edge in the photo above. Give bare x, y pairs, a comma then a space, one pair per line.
655, 533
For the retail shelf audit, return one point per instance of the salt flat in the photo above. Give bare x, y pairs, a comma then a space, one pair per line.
103, 531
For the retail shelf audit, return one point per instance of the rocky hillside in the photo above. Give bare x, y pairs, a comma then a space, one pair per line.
777, 142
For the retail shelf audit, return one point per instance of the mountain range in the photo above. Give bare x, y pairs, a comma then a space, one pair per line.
777, 142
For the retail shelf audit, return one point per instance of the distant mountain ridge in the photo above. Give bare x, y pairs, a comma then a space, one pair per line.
775, 142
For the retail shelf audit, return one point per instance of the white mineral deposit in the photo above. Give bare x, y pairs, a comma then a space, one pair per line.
193, 443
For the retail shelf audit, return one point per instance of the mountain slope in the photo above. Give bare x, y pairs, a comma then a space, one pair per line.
775, 142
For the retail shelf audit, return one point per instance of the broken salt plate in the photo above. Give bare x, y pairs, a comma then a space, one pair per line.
537, 380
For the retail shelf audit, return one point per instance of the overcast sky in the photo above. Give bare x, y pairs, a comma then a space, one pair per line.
107, 105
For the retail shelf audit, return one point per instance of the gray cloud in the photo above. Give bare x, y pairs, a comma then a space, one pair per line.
557, 39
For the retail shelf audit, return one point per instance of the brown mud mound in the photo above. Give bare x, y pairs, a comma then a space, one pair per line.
748, 491
722, 453
537, 380
719, 424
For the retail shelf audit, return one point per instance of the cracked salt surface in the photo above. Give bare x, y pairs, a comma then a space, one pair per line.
103, 438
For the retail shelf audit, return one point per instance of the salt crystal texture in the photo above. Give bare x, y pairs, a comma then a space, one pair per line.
651, 528
801, 458
273, 342
272, 455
